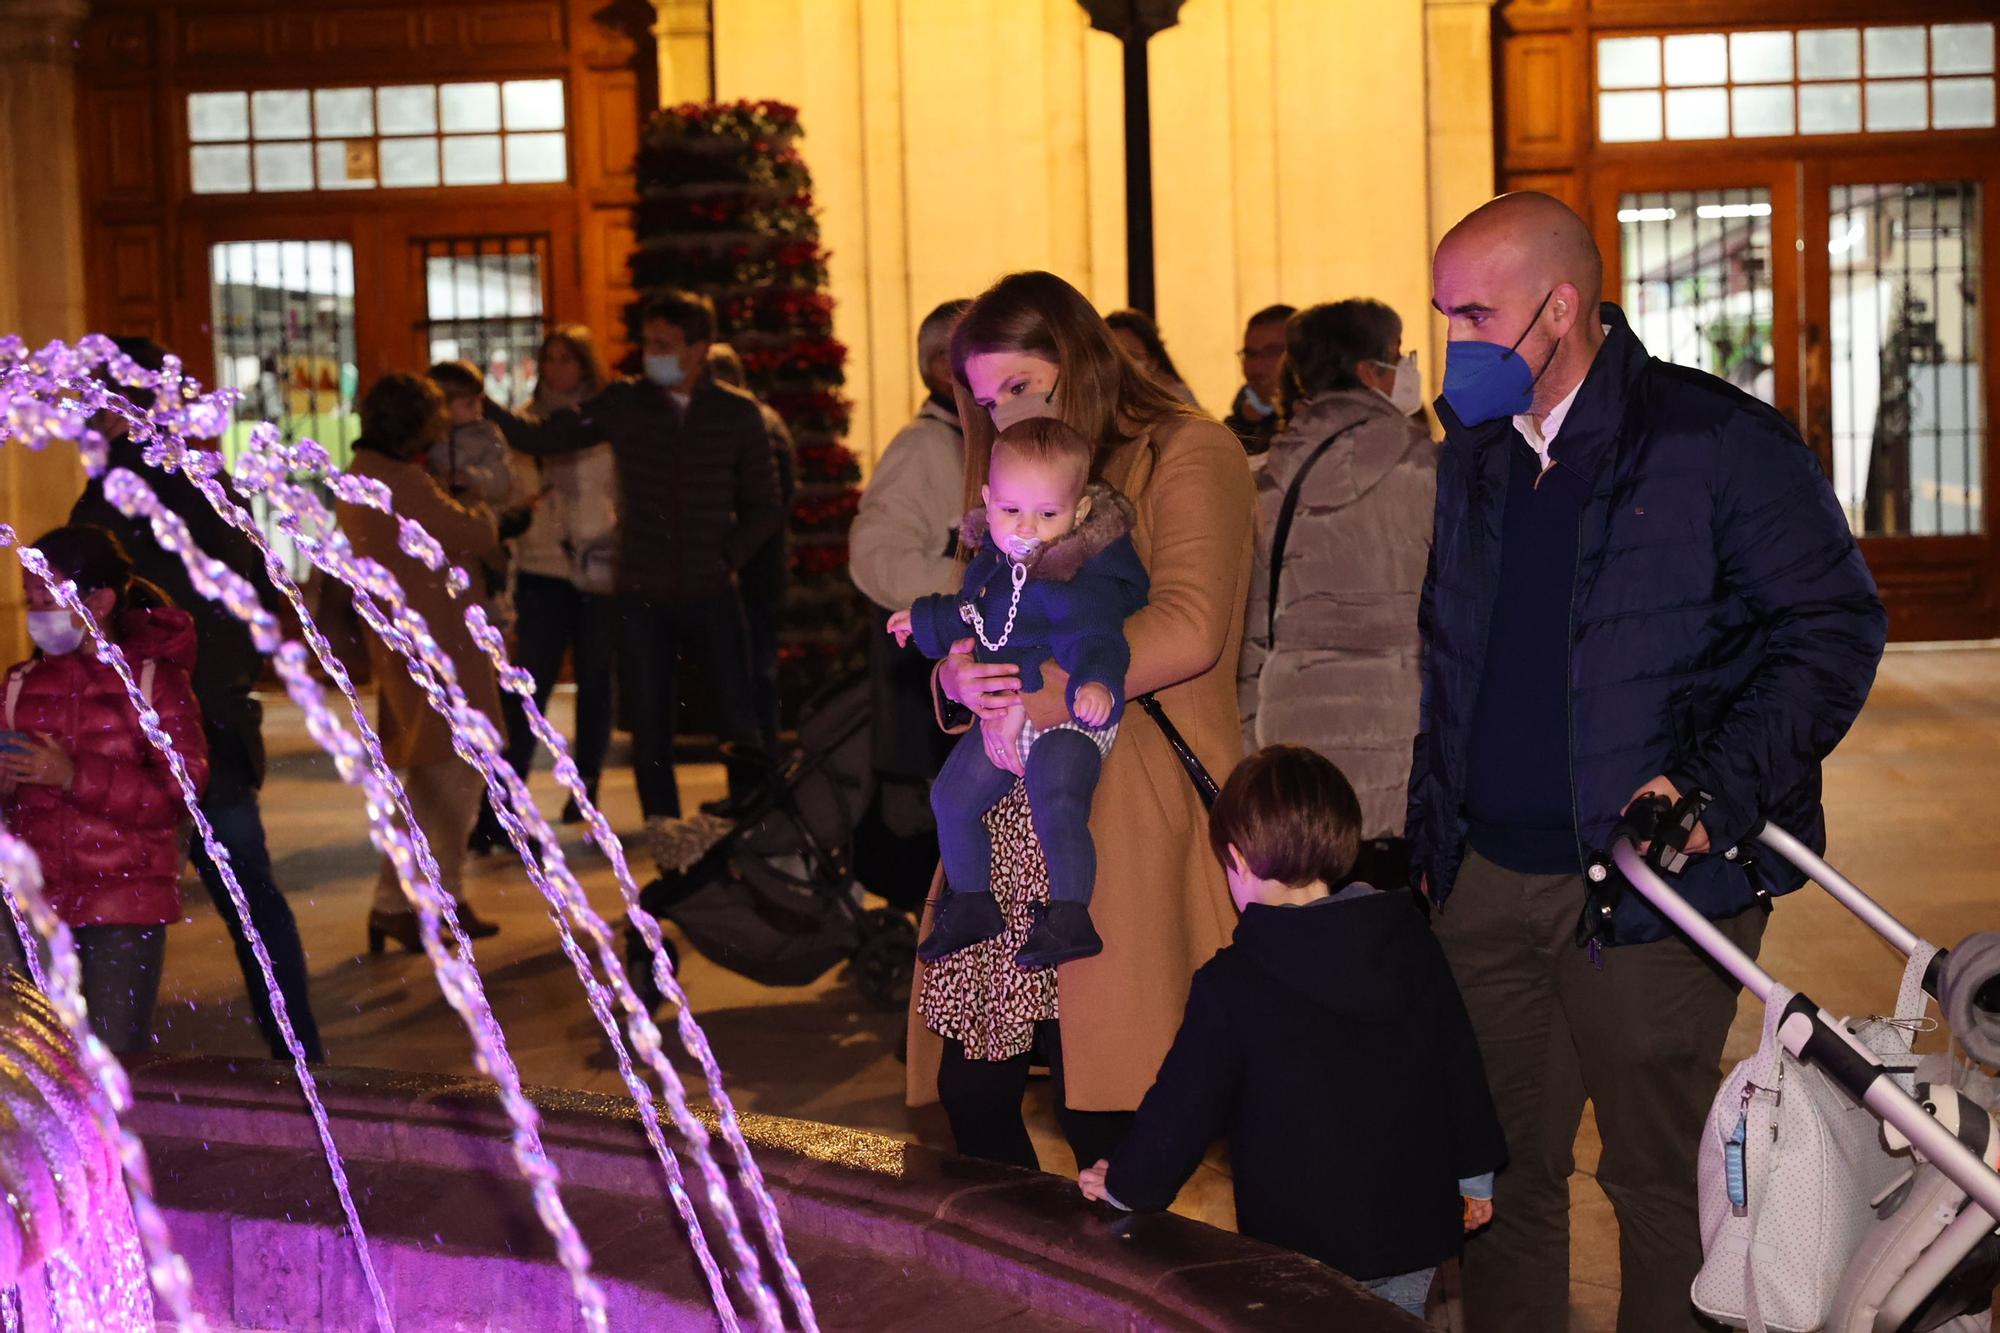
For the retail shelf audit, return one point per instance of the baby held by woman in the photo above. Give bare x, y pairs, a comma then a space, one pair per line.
1053, 577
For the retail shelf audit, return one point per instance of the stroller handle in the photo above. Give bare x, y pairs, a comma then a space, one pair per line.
1814, 1036
1843, 889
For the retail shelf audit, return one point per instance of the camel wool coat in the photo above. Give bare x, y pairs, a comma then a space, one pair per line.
1161, 903
413, 734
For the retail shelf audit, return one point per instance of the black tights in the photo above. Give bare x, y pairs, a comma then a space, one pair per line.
982, 1098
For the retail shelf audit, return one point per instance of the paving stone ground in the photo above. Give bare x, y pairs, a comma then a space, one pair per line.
1914, 800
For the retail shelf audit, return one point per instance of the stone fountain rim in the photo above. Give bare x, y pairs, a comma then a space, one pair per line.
1169, 1272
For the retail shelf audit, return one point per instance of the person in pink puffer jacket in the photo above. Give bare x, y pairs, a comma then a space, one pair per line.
82, 785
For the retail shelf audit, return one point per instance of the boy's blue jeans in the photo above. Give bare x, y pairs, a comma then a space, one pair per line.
1062, 778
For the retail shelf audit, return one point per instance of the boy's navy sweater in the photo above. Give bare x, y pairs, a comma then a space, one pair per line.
1518, 809
1330, 1044
1073, 607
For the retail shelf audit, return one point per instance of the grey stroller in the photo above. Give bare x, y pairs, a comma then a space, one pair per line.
1847, 1184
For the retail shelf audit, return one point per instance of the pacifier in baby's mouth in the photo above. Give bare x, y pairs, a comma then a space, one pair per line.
1021, 548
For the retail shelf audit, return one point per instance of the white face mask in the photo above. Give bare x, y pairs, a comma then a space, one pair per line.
54, 632
1406, 394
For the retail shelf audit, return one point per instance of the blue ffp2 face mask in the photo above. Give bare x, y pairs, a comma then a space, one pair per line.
664, 371
1485, 381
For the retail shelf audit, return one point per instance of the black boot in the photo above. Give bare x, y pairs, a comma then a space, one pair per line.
1059, 933
961, 920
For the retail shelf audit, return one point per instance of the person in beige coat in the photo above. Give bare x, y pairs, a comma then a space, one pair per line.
1160, 901
1341, 676
401, 418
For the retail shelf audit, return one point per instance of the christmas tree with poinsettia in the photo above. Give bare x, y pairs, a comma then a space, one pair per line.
726, 210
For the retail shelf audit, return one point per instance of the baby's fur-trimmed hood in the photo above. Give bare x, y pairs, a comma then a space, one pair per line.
1111, 516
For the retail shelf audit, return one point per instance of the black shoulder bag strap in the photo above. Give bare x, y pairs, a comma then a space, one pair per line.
1204, 782
1286, 512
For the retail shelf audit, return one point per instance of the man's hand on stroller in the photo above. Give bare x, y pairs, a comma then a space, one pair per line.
1093, 704
900, 626
1697, 840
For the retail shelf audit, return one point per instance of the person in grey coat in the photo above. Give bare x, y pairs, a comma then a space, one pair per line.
1336, 667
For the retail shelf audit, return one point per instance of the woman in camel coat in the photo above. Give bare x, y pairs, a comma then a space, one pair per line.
1161, 903
402, 416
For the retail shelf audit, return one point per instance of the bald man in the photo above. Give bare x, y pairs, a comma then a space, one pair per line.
1640, 583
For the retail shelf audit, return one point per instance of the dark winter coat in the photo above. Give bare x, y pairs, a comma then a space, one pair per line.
1073, 607
1724, 630
1254, 431
697, 495
227, 665
110, 845
1330, 1044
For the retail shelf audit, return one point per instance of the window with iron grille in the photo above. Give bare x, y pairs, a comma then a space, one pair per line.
486, 301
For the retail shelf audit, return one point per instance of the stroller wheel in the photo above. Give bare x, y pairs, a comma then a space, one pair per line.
886, 958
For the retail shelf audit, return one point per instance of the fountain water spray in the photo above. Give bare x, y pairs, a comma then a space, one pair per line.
55, 370
268, 465
151, 1254
265, 631
311, 528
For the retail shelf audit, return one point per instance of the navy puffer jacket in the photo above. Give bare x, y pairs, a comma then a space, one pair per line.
1724, 630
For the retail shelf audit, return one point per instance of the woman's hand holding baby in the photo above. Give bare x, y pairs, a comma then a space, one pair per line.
1002, 738
989, 689
1093, 704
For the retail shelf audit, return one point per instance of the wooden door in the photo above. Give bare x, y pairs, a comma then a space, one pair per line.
1899, 378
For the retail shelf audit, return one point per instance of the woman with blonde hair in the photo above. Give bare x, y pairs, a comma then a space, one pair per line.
562, 590
1033, 345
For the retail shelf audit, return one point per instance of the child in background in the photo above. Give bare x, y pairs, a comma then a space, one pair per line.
1055, 575
81, 784
1329, 1043
475, 467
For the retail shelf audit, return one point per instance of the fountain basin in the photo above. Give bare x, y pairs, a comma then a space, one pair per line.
889, 1235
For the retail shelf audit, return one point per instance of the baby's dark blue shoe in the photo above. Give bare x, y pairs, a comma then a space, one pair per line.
1061, 932
961, 920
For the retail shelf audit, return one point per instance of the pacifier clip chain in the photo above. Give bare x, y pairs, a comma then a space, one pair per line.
970, 613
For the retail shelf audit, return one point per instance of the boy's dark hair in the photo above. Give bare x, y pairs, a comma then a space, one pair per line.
1046, 440
1292, 815
690, 312
458, 379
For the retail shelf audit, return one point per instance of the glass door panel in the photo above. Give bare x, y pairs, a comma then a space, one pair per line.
1696, 281
283, 320
1908, 416
486, 301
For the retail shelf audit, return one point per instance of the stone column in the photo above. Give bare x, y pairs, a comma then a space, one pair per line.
1462, 140
685, 36
41, 254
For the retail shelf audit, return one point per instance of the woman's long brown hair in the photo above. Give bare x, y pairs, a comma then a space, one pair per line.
583, 346
1100, 391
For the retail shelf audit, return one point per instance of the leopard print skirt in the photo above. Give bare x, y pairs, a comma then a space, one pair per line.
979, 996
